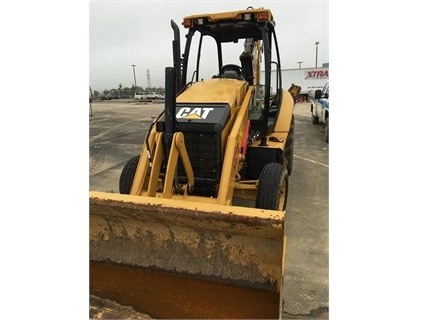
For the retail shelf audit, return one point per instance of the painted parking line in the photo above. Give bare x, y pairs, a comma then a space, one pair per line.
313, 161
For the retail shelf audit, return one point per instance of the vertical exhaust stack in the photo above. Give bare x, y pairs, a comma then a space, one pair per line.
172, 84
170, 94
176, 53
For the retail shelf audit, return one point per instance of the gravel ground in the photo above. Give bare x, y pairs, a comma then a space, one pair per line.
106, 309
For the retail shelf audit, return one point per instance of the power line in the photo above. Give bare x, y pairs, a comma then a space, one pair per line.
148, 77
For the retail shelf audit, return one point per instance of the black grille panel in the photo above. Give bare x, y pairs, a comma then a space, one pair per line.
201, 125
205, 156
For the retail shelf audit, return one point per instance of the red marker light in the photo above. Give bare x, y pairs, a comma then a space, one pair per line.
187, 23
263, 16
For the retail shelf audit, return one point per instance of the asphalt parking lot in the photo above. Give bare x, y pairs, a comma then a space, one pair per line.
117, 130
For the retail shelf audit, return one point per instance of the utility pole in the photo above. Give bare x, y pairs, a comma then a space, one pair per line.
90, 100
134, 78
316, 53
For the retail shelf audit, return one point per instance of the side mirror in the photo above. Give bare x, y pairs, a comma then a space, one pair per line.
318, 94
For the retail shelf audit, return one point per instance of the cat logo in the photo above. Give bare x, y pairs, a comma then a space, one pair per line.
193, 113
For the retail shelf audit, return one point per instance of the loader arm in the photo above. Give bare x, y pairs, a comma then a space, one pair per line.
233, 156
177, 149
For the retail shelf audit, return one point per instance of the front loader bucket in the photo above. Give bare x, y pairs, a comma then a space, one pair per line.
189, 259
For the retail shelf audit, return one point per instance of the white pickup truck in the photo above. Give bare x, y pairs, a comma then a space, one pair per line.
141, 96
148, 96
319, 107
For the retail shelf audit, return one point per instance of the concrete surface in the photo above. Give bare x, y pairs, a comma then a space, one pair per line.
117, 130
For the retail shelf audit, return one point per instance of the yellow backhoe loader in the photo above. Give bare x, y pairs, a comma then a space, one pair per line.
201, 210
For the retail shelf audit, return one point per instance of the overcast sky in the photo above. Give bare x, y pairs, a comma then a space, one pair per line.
123, 33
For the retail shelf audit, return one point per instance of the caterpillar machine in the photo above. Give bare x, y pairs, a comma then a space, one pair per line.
201, 210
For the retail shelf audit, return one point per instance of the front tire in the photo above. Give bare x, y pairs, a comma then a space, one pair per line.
326, 133
314, 119
273, 187
127, 175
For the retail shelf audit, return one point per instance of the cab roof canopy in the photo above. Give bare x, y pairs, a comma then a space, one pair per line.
231, 26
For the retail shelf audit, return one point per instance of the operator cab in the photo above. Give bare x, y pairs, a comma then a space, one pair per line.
217, 35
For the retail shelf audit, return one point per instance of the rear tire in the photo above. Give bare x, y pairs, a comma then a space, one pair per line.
273, 187
326, 133
127, 175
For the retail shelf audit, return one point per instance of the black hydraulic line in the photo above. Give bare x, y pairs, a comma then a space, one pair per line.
149, 132
266, 39
185, 57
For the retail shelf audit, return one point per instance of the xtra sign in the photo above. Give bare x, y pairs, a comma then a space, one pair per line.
317, 74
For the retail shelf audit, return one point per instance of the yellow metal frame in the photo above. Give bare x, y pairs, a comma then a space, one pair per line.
178, 148
149, 182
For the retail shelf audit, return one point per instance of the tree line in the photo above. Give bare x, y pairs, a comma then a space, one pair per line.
121, 92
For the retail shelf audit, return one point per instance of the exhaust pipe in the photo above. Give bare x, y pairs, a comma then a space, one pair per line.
176, 53
170, 95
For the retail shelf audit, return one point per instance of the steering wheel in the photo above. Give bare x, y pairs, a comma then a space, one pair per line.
232, 67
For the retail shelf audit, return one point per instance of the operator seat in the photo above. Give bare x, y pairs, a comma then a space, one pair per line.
230, 74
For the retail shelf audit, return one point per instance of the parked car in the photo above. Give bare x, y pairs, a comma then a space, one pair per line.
111, 95
152, 95
319, 107
141, 96
159, 96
